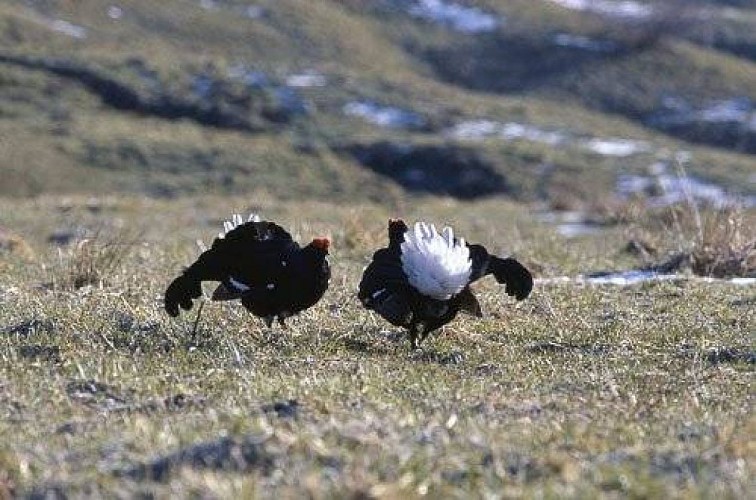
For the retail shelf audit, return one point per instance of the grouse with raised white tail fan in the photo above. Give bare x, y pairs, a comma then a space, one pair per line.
422, 279
258, 262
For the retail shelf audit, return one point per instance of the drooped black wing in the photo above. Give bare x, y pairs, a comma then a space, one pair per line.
181, 292
249, 254
384, 287
517, 279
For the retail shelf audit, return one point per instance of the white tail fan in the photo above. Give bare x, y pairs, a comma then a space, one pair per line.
236, 221
434, 263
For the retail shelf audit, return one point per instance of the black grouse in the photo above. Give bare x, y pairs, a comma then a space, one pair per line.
258, 262
422, 279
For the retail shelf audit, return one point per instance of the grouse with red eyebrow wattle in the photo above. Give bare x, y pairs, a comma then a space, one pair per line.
422, 279
258, 262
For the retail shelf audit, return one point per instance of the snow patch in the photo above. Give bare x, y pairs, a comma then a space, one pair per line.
511, 131
476, 130
250, 77
678, 111
253, 12
613, 8
309, 78
625, 278
663, 189
482, 129
383, 116
729, 110
473, 129
570, 224
743, 281
616, 146
69, 29
456, 16
115, 12
634, 277
577, 229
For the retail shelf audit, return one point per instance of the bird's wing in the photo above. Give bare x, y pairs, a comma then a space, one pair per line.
385, 289
509, 272
180, 292
386, 266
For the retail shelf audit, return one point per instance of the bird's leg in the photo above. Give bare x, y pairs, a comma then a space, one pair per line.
281, 321
267, 333
397, 346
196, 322
417, 335
424, 334
413, 339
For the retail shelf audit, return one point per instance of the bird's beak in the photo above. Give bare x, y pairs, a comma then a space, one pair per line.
321, 243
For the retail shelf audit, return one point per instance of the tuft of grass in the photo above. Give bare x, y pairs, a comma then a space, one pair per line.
716, 242
94, 260
725, 245
14, 244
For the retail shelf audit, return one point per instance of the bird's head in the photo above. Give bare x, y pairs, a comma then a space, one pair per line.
396, 230
322, 244
397, 225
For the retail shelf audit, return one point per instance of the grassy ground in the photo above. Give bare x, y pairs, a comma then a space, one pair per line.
581, 391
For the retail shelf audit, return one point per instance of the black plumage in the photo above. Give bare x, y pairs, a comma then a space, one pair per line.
259, 263
386, 289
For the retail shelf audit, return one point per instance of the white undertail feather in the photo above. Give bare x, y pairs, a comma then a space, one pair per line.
238, 285
434, 263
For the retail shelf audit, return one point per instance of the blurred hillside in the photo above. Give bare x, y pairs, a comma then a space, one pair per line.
563, 101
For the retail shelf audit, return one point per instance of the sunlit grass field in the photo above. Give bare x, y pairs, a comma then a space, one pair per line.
580, 390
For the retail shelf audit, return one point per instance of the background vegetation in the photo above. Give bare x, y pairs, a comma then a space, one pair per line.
129, 131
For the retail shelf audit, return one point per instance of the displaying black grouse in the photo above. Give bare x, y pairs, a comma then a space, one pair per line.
258, 262
422, 279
